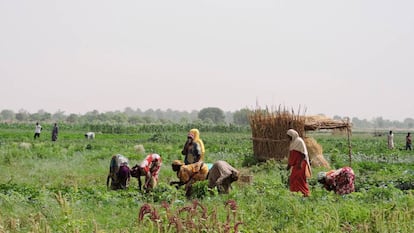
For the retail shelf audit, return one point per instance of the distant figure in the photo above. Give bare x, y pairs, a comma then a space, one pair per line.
90, 135
340, 181
221, 175
193, 148
298, 163
55, 132
38, 129
390, 140
408, 142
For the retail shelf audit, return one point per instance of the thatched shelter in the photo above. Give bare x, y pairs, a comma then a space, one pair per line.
269, 131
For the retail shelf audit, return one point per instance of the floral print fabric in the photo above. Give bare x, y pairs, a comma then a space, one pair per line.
342, 180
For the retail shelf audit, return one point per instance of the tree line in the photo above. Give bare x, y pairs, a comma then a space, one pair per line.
210, 115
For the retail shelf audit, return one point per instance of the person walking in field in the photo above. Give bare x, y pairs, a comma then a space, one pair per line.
55, 132
298, 164
390, 138
38, 130
193, 148
408, 142
340, 181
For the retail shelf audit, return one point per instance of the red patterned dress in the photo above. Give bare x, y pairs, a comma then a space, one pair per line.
341, 181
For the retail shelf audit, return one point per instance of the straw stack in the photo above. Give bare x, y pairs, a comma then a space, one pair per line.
315, 153
270, 140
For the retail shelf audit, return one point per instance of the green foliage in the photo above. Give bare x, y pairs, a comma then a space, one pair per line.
200, 190
60, 187
215, 115
241, 117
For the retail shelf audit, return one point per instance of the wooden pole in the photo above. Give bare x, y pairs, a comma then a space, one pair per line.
349, 143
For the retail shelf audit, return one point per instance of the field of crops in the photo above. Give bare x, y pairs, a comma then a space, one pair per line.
60, 186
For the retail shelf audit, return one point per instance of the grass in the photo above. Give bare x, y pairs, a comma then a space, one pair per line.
60, 187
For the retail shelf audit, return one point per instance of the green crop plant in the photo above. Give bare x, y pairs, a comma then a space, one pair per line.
60, 187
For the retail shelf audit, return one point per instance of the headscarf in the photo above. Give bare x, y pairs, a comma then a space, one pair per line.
298, 144
198, 140
121, 160
177, 162
152, 163
321, 176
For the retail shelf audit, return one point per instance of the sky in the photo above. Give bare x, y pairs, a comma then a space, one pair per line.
337, 58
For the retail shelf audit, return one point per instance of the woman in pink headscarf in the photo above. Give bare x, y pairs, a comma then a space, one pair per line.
298, 163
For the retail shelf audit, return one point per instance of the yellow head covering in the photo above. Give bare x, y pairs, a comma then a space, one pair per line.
177, 162
197, 139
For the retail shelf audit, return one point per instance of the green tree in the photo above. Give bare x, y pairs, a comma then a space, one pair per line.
135, 120
22, 115
7, 115
41, 115
59, 115
72, 118
216, 115
409, 122
241, 117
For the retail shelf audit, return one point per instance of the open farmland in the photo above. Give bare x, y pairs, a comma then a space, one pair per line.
60, 186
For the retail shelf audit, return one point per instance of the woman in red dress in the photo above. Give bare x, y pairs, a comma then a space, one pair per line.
298, 163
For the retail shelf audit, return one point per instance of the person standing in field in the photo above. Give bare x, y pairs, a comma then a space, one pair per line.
298, 164
38, 130
390, 140
55, 132
193, 148
408, 142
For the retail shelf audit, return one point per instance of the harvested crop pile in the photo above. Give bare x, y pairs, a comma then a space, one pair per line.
315, 153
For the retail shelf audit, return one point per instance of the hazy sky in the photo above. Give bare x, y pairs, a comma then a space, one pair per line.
346, 58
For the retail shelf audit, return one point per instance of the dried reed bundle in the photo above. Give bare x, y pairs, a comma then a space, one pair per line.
323, 122
269, 132
315, 153
313, 147
320, 161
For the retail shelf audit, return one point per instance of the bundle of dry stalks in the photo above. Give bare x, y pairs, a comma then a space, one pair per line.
323, 122
270, 140
269, 132
315, 153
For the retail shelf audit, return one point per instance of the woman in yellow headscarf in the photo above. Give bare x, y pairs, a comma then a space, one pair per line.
198, 140
193, 148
